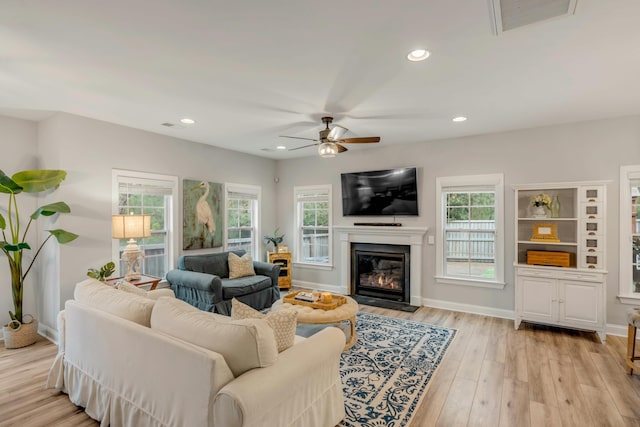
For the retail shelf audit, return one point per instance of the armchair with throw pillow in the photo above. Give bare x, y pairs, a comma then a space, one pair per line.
210, 281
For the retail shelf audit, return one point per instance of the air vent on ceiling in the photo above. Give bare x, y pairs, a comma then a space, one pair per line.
510, 14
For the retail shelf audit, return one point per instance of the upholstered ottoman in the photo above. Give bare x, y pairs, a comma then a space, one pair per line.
317, 316
633, 318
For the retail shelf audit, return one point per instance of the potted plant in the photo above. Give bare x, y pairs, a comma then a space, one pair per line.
275, 239
102, 273
20, 332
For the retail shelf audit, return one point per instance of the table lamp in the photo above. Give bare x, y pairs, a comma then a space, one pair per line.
131, 227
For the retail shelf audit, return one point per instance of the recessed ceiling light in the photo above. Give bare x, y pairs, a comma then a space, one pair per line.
459, 119
418, 55
281, 147
187, 121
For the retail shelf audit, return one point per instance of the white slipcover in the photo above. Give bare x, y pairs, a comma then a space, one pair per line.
125, 374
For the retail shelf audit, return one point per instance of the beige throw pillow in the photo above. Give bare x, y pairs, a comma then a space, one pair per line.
240, 266
282, 322
96, 294
244, 344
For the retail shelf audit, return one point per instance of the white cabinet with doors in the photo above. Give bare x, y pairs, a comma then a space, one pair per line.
572, 296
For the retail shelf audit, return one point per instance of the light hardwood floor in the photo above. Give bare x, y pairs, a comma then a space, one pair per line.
492, 375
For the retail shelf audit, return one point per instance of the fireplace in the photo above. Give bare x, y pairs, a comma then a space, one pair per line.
381, 271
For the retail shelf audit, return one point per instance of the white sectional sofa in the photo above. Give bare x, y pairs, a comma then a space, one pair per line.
119, 357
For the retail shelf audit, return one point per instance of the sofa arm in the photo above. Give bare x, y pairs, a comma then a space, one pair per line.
199, 289
269, 270
303, 388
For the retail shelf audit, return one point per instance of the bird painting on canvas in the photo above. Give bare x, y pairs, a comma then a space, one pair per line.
202, 218
205, 216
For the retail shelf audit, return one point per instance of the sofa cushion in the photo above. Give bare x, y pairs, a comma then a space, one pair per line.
96, 294
217, 263
232, 288
154, 294
244, 344
240, 266
283, 322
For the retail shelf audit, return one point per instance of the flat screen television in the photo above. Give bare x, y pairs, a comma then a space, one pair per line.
380, 193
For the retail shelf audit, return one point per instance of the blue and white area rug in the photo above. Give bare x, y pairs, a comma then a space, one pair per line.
385, 374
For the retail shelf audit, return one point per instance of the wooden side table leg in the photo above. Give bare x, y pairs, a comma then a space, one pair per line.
353, 335
631, 347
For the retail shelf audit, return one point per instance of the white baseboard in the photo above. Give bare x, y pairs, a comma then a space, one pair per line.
320, 287
49, 333
617, 330
469, 308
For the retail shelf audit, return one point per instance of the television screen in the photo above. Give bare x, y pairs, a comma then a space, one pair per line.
385, 192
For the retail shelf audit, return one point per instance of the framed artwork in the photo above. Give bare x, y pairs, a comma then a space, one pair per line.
545, 233
202, 214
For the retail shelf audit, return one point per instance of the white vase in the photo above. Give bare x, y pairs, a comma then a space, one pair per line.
540, 212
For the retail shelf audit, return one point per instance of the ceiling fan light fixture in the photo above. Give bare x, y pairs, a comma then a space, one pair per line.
418, 55
281, 147
328, 149
187, 121
459, 119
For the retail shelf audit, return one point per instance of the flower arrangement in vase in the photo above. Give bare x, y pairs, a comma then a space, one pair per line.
541, 205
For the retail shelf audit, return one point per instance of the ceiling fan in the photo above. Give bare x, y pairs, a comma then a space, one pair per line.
330, 140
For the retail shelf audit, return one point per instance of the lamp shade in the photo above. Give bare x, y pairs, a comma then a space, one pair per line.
327, 149
130, 226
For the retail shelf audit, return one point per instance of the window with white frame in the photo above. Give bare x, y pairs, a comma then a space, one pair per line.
313, 224
155, 195
243, 209
629, 288
470, 242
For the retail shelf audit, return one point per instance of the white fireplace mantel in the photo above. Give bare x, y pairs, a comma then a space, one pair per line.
410, 236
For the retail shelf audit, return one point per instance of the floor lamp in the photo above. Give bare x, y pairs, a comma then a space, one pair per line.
131, 227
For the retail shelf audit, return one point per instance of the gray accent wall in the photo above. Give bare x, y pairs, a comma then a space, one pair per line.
592, 150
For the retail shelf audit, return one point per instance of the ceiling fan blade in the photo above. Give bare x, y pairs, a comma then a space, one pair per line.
364, 140
304, 146
337, 132
341, 148
297, 137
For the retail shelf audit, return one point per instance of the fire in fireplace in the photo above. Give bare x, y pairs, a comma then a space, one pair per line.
381, 271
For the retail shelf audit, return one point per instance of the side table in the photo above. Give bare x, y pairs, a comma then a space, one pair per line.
144, 280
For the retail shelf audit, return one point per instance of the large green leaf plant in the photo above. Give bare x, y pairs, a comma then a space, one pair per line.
13, 243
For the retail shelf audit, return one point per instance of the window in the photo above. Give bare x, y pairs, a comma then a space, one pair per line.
629, 291
155, 195
470, 247
243, 203
313, 224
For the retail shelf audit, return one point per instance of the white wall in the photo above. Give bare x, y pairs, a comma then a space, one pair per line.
88, 150
583, 151
18, 143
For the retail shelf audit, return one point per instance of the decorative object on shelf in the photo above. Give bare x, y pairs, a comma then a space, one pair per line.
549, 258
131, 227
275, 240
555, 207
202, 214
103, 273
18, 332
545, 233
283, 248
541, 205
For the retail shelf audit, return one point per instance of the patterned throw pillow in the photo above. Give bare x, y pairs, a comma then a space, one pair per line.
282, 322
240, 266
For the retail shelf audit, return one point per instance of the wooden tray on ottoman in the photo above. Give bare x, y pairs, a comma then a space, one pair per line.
336, 301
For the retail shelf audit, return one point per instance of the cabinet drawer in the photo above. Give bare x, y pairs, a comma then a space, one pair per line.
581, 277
592, 227
591, 210
591, 244
592, 260
592, 194
536, 273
